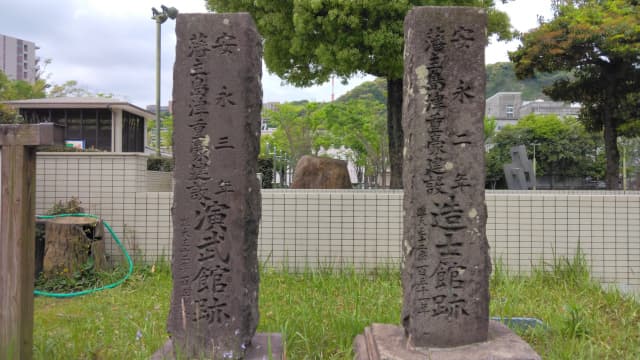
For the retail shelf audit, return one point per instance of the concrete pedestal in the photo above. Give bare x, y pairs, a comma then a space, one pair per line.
259, 349
388, 342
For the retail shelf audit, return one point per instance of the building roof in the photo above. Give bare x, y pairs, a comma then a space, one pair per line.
80, 103
504, 93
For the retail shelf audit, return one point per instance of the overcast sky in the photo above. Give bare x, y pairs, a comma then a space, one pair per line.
109, 45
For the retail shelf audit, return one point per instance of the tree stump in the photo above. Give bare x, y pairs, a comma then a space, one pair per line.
70, 242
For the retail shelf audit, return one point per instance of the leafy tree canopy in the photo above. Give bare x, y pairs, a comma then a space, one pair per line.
375, 90
501, 76
563, 147
599, 42
308, 41
17, 90
71, 88
20, 89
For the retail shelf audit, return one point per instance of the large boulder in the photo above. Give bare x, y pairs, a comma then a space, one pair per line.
321, 173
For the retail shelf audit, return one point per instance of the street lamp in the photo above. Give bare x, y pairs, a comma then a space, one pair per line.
535, 179
273, 173
160, 17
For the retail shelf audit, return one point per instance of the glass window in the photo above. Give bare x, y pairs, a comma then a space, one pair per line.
510, 111
74, 125
104, 130
89, 128
132, 133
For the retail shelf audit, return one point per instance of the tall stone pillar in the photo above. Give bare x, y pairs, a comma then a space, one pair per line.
447, 265
216, 211
445, 314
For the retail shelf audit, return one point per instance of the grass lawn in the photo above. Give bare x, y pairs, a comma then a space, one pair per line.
319, 313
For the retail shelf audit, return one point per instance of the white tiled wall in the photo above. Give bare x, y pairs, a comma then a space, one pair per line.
358, 228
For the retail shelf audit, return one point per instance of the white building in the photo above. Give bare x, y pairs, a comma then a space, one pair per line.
93, 123
508, 107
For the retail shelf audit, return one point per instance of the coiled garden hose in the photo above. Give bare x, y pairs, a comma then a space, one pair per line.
89, 291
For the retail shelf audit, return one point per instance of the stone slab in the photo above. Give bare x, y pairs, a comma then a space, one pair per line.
388, 342
258, 350
31, 134
446, 265
216, 210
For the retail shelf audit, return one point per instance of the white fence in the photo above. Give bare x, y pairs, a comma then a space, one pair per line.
359, 228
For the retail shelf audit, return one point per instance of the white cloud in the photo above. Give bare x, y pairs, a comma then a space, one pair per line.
109, 46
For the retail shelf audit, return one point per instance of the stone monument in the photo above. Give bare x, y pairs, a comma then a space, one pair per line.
216, 210
519, 174
447, 266
313, 172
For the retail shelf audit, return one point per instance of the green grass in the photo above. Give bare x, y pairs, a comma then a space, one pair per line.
320, 312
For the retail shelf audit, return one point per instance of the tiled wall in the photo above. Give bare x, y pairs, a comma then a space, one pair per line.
527, 229
105, 183
357, 228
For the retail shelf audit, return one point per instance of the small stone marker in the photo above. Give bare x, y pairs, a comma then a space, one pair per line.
447, 265
446, 270
17, 233
216, 211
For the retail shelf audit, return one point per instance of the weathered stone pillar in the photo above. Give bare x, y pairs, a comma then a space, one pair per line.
216, 212
447, 265
445, 278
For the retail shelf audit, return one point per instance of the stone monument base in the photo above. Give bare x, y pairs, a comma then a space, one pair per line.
388, 342
259, 349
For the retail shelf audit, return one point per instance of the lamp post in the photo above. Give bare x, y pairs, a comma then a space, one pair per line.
535, 179
624, 166
273, 173
160, 17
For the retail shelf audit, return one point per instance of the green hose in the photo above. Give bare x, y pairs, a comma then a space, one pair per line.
89, 291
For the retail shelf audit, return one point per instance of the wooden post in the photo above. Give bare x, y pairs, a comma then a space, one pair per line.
17, 233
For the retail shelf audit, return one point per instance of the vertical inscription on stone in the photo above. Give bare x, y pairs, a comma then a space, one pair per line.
446, 270
218, 97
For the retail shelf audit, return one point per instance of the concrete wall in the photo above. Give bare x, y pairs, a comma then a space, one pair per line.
359, 228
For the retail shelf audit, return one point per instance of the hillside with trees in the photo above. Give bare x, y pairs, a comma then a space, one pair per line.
502, 77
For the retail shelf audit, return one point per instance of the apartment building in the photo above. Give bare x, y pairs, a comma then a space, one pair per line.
18, 58
508, 107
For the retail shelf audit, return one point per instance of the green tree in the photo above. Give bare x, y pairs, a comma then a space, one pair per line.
360, 127
71, 88
599, 42
564, 148
501, 76
490, 126
299, 129
166, 135
307, 42
17, 90
375, 90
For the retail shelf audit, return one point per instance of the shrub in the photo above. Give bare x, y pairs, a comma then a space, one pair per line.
159, 163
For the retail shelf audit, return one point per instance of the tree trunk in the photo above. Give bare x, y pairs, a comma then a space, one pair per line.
67, 246
394, 129
611, 152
